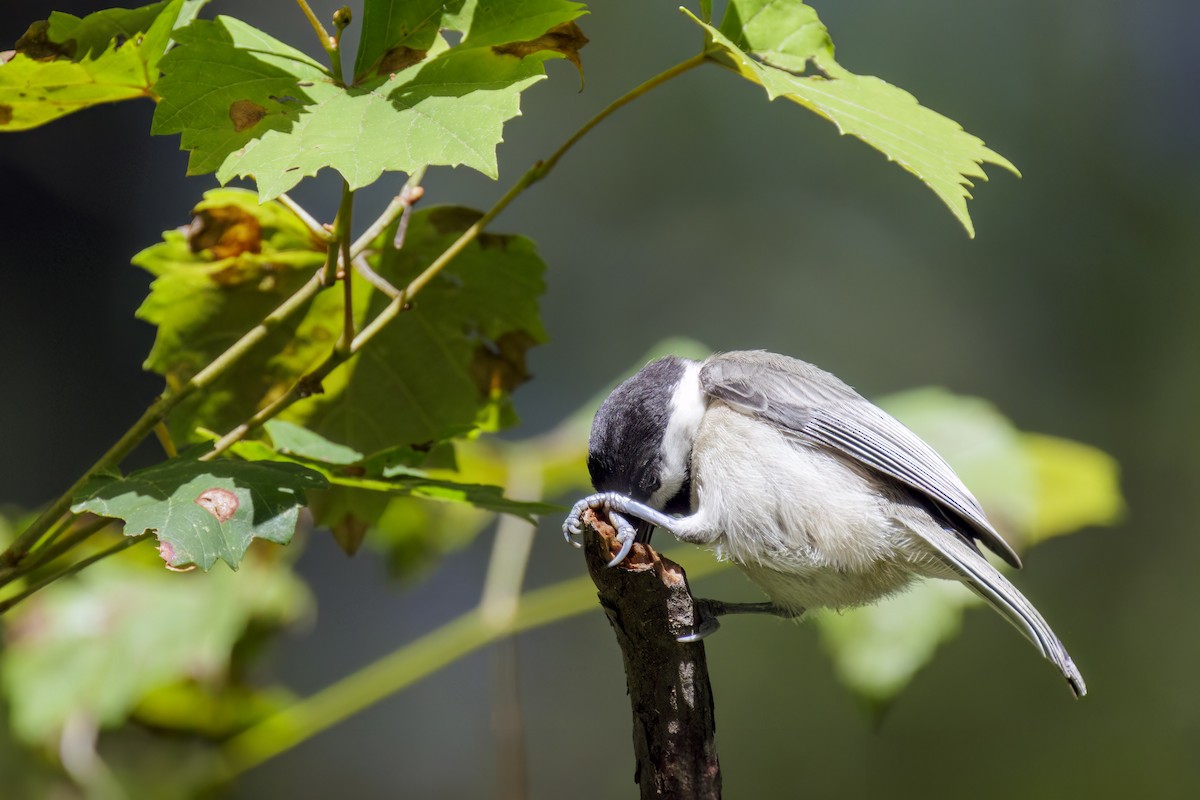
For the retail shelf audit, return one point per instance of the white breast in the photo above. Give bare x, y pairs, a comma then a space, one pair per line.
807, 526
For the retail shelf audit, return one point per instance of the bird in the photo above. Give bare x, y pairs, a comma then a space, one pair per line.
819, 496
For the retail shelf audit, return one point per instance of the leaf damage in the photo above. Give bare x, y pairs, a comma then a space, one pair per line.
399, 58
501, 366
566, 39
36, 44
245, 114
221, 503
225, 231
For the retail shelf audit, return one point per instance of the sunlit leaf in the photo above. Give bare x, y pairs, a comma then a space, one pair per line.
782, 46
246, 104
397, 31
297, 440
66, 64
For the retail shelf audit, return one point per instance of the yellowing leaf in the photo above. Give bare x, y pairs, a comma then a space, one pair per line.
67, 64
1077, 486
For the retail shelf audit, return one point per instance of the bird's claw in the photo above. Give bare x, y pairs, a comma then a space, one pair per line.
626, 534
706, 624
573, 526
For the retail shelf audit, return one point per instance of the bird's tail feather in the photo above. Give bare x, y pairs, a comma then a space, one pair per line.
986, 581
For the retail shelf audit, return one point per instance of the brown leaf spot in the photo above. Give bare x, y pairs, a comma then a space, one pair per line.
245, 114
501, 366
167, 551
36, 44
566, 38
221, 503
5, 115
398, 58
225, 231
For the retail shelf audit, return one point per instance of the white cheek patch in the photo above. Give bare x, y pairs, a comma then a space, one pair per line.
687, 408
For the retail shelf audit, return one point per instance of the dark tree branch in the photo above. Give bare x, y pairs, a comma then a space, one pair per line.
649, 604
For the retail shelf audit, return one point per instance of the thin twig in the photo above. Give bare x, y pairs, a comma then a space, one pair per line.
409, 194
163, 434
498, 606
47, 553
314, 227
125, 543
345, 222
363, 268
318, 28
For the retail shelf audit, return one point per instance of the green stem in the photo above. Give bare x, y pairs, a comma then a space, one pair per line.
543, 168
127, 542
534, 174
322, 34
409, 664
47, 554
345, 221
318, 230
302, 388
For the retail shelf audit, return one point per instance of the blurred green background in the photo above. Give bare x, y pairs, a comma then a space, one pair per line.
706, 211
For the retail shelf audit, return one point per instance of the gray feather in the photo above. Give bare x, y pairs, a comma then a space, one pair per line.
816, 406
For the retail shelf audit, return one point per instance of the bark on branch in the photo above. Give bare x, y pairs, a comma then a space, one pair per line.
649, 604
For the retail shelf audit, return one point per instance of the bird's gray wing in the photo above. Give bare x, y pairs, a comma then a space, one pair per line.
816, 406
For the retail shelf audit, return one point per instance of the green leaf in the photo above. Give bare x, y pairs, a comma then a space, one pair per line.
227, 83
297, 440
248, 105
372, 499
1031, 486
877, 650
204, 511
215, 280
451, 361
96, 647
443, 368
67, 64
396, 31
984, 448
782, 46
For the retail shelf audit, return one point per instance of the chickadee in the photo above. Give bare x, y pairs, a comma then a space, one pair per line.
819, 496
